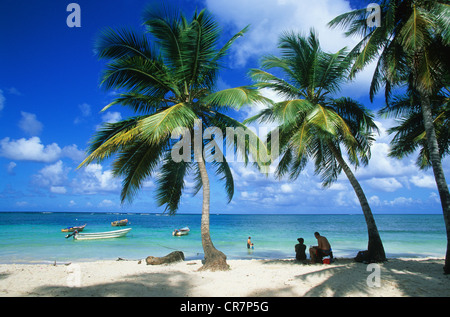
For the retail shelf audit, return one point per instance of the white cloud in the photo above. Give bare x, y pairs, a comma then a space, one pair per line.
388, 184
53, 176
92, 179
424, 181
286, 188
10, 167
33, 150
29, 150
346, 199
29, 124
73, 152
268, 19
58, 189
106, 203
86, 112
401, 201
111, 117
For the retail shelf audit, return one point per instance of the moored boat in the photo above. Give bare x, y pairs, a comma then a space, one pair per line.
181, 232
119, 223
72, 229
100, 235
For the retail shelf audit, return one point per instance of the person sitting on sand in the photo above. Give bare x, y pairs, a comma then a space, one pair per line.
249, 243
300, 249
323, 249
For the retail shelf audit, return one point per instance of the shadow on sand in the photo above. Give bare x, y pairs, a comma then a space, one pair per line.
346, 276
175, 284
340, 279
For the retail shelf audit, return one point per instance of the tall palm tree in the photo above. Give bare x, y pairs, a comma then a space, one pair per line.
411, 46
167, 76
315, 125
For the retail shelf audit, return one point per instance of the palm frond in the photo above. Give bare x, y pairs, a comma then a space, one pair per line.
234, 97
110, 139
123, 43
136, 162
170, 183
138, 102
160, 125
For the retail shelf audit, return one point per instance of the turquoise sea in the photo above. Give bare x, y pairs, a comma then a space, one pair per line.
36, 237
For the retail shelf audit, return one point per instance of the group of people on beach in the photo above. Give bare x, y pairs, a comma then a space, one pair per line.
317, 253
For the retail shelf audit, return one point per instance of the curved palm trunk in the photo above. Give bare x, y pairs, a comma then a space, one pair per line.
215, 260
375, 246
438, 171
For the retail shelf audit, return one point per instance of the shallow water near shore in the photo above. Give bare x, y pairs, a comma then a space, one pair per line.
36, 237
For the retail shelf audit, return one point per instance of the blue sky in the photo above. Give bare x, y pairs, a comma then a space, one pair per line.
50, 104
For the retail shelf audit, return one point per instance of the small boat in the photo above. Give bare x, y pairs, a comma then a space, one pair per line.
181, 232
72, 229
99, 235
119, 223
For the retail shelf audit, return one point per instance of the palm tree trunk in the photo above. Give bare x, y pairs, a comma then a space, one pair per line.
438, 171
375, 246
215, 260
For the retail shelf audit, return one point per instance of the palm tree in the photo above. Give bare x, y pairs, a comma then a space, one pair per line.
409, 134
411, 46
313, 124
167, 76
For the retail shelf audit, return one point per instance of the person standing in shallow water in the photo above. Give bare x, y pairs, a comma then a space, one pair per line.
249, 243
300, 249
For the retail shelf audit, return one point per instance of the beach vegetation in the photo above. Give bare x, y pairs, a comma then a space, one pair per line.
168, 77
410, 48
314, 122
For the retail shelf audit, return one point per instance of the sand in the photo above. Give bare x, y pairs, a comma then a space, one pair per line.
402, 277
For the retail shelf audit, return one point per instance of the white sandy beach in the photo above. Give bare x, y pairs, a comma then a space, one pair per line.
266, 278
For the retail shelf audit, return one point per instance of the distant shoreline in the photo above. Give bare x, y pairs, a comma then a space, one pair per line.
218, 214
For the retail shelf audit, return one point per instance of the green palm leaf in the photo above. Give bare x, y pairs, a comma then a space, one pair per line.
160, 125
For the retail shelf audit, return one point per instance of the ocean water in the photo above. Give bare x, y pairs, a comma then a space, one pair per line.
36, 237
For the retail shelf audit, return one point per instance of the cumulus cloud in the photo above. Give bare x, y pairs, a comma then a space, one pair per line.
53, 177
29, 150
92, 179
111, 117
388, 184
30, 124
268, 19
73, 152
424, 181
32, 149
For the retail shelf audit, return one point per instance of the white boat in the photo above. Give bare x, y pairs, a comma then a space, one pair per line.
181, 232
101, 235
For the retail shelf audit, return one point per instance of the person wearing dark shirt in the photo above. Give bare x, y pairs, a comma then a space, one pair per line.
300, 249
